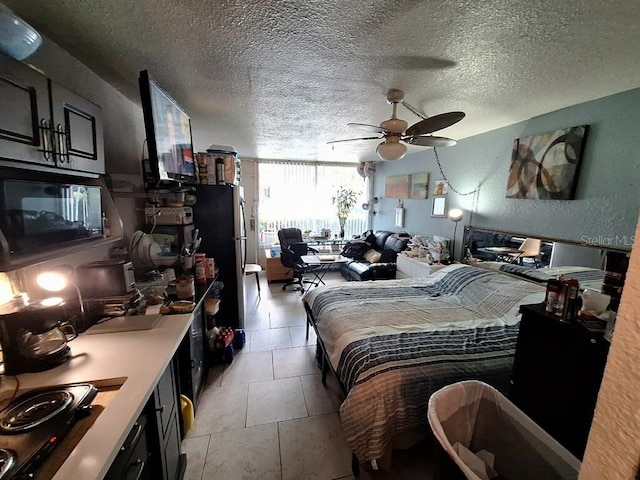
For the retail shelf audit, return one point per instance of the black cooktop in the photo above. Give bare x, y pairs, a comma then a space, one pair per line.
34, 423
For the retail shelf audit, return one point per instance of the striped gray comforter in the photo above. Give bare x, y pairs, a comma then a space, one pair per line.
395, 342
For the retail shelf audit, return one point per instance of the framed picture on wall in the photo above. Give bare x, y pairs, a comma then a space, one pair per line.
419, 185
439, 206
545, 166
397, 186
399, 220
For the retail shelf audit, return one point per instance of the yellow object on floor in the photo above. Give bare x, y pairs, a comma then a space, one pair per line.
188, 416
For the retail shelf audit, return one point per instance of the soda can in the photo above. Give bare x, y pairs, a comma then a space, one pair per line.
199, 268
210, 268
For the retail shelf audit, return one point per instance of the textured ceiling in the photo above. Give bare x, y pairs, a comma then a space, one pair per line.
278, 79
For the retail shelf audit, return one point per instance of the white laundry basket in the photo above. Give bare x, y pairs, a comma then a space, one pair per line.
481, 418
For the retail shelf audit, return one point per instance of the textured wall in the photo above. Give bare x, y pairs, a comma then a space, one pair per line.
607, 200
613, 450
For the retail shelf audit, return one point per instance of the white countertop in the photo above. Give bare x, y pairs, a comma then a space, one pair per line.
134, 359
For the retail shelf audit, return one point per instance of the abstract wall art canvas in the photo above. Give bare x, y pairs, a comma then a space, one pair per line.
419, 185
397, 186
545, 166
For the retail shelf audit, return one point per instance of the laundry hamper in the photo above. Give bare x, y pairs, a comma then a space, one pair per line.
480, 418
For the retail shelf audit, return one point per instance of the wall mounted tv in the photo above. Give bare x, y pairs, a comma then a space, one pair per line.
168, 129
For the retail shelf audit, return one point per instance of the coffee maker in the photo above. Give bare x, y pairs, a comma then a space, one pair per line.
34, 337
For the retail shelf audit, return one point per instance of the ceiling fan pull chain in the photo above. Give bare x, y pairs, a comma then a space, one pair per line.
435, 151
414, 110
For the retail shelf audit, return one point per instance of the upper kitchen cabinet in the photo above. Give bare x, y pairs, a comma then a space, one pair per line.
46, 127
25, 115
78, 129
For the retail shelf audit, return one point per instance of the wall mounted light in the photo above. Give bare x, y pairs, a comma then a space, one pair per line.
455, 215
18, 39
57, 280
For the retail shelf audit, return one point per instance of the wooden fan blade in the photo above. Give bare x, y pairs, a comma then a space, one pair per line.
432, 124
367, 128
430, 141
354, 139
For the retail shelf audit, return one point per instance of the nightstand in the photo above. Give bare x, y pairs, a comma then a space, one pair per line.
556, 376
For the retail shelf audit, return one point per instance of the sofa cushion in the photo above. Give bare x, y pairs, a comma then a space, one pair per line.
373, 256
397, 242
381, 237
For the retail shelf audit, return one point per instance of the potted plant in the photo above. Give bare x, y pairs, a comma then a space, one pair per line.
344, 200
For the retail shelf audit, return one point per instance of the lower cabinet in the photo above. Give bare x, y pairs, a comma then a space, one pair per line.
152, 448
163, 407
191, 357
132, 462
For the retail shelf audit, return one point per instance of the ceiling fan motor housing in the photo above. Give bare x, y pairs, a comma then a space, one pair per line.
395, 125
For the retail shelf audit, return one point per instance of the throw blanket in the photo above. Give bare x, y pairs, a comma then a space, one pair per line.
393, 343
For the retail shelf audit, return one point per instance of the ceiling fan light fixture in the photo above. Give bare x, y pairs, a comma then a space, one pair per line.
391, 150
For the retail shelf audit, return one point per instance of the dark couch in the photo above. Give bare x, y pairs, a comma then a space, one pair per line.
389, 244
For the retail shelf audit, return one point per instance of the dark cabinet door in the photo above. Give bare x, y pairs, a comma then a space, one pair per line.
556, 376
165, 398
78, 131
24, 114
167, 460
191, 358
196, 334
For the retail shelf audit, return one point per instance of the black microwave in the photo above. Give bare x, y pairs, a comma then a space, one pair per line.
40, 216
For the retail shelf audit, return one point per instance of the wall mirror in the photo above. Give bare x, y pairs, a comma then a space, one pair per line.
439, 207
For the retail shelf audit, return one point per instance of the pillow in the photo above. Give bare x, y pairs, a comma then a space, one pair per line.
372, 256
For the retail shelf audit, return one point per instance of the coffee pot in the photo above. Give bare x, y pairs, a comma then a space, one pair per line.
34, 337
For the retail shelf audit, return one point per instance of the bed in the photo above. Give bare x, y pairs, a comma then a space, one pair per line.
588, 277
393, 343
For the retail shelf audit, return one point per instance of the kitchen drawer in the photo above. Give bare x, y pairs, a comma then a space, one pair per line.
132, 459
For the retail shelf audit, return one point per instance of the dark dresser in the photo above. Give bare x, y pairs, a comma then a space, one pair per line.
556, 375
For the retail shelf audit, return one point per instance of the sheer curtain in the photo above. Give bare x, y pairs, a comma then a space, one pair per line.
298, 194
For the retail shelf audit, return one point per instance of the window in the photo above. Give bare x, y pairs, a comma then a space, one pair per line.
298, 194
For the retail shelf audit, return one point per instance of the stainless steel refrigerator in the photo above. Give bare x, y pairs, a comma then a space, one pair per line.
219, 215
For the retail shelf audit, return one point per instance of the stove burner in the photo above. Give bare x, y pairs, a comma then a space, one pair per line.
34, 411
7, 460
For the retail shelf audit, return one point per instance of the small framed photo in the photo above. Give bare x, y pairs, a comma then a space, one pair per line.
439, 207
441, 187
399, 217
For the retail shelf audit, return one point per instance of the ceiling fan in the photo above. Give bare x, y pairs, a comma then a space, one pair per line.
396, 132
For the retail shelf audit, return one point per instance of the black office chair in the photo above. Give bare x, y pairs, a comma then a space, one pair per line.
292, 248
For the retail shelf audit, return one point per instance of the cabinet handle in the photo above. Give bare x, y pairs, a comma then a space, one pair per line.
62, 143
47, 140
161, 409
135, 438
193, 364
140, 464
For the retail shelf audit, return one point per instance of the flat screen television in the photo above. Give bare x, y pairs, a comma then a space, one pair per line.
168, 129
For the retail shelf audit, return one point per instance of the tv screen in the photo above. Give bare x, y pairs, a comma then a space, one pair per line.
168, 129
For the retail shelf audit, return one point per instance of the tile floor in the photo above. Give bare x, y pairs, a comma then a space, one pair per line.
267, 416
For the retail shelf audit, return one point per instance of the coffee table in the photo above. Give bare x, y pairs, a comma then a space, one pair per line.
324, 262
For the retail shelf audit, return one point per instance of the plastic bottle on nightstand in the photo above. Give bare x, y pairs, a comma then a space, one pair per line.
552, 297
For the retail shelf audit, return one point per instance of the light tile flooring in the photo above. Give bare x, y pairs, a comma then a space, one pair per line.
267, 415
